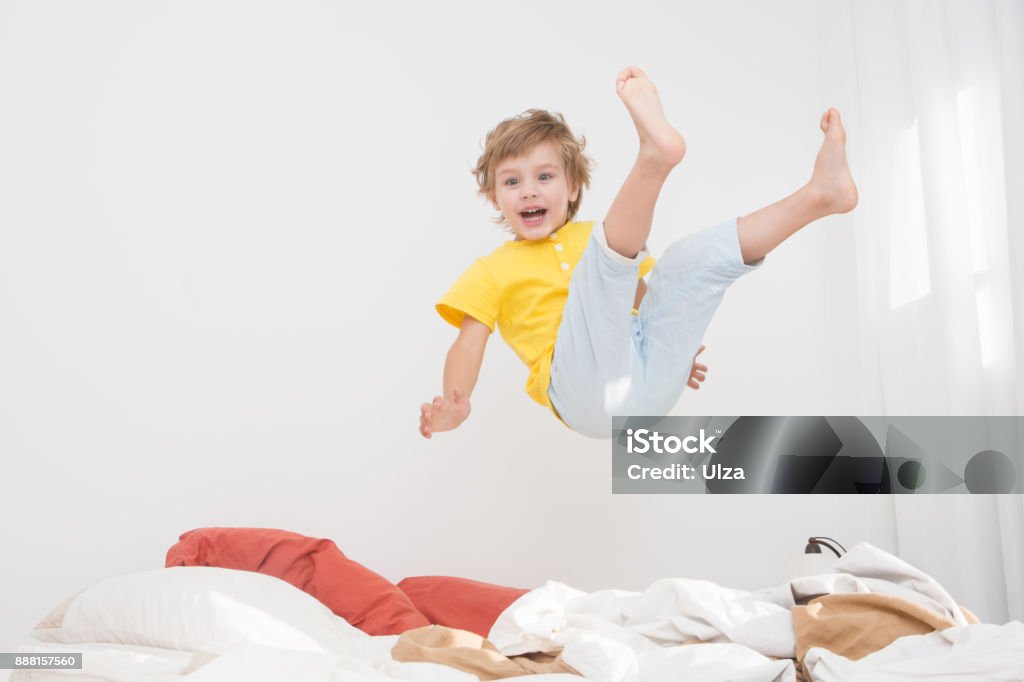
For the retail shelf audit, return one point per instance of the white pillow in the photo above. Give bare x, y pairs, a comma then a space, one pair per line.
198, 608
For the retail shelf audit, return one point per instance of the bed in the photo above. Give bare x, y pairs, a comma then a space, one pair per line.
873, 617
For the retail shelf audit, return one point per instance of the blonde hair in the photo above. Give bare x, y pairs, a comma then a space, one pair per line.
515, 136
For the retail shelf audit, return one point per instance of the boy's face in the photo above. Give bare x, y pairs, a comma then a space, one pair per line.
533, 192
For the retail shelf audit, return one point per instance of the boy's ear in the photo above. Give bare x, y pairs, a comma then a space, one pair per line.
574, 194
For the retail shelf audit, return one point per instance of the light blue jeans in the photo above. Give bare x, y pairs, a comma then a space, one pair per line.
610, 362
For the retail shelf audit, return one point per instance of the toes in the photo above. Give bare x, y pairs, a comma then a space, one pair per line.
620, 82
831, 122
835, 126
833, 119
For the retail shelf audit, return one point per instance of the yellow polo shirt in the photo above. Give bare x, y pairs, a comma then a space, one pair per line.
522, 287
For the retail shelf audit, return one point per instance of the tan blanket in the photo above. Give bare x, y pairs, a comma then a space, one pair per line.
855, 625
471, 653
851, 625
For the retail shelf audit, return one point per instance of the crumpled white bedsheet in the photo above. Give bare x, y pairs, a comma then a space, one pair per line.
616, 636
960, 654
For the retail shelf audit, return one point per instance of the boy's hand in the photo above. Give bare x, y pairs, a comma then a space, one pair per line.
444, 414
698, 372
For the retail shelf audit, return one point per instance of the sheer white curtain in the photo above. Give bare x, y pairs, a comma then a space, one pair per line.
933, 93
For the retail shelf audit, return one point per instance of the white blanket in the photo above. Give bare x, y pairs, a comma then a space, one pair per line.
615, 636
963, 654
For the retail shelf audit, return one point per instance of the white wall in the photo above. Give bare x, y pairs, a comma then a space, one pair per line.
222, 230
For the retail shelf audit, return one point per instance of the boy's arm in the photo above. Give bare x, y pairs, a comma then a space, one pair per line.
641, 290
461, 369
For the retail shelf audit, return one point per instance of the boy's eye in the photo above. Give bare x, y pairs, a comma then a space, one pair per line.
545, 176
511, 181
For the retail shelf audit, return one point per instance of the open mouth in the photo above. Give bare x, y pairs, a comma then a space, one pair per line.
534, 216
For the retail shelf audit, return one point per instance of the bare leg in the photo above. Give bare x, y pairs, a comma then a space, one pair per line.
628, 222
830, 190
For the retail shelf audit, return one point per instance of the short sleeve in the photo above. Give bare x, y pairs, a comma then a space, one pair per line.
646, 266
474, 293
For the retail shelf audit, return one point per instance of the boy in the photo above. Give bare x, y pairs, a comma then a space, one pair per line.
562, 292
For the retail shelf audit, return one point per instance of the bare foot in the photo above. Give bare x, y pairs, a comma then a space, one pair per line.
660, 143
831, 179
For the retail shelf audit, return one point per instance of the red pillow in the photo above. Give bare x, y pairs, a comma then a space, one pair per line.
459, 602
366, 600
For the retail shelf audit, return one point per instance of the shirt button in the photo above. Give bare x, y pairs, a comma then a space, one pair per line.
558, 247
565, 266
